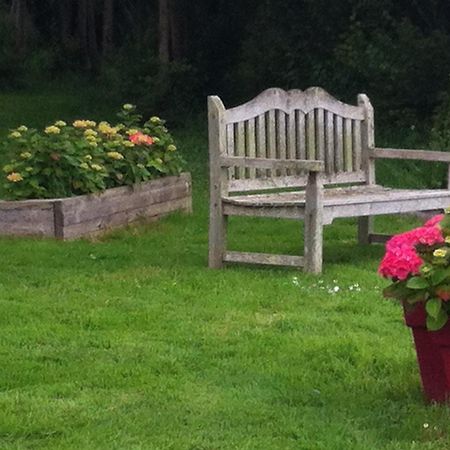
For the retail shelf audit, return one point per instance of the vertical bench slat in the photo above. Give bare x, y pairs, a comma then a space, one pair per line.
348, 157
300, 134
320, 134
271, 139
250, 143
310, 136
338, 145
281, 138
230, 149
240, 146
291, 139
261, 141
357, 145
329, 143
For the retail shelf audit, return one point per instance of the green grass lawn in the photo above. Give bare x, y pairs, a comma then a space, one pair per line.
130, 342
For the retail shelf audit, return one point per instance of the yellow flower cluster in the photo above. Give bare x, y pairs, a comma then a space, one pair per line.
440, 253
115, 155
155, 119
171, 148
106, 128
22, 128
15, 135
90, 132
14, 177
84, 124
52, 130
25, 155
128, 107
132, 131
60, 123
97, 167
128, 144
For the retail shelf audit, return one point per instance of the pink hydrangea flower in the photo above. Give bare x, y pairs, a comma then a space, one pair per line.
434, 220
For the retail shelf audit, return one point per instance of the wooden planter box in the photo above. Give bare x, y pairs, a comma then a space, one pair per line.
86, 215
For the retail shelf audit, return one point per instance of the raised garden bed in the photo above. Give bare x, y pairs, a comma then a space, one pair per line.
87, 215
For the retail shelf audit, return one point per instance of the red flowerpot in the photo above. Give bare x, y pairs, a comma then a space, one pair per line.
433, 355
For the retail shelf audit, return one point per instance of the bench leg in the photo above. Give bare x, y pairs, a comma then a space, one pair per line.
313, 242
217, 238
365, 229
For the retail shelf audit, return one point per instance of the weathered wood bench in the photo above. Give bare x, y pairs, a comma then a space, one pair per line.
309, 141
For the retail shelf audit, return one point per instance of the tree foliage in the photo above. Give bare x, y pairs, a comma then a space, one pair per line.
152, 50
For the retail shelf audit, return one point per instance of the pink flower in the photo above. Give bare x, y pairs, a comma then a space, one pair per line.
400, 265
428, 235
141, 139
434, 220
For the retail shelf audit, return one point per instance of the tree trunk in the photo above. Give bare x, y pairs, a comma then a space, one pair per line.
21, 20
164, 31
87, 35
108, 24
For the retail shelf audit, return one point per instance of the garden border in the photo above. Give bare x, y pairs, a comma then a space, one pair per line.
91, 214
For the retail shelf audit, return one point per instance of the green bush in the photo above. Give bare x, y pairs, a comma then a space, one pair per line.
65, 160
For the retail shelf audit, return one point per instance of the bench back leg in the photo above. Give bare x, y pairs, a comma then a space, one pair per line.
365, 229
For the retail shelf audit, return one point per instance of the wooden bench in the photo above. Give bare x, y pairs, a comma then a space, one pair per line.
309, 141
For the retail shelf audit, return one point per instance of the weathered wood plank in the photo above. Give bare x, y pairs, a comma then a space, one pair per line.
261, 147
294, 181
329, 145
289, 101
240, 146
300, 134
272, 163
338, 145
422, 155
379, 238
250, 144
357, 145
271, 141
310, 136
320, 134
230, 149
281, 138
264, 258
348, 144
367, 137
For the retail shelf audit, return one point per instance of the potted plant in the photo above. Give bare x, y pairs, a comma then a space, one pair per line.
418, 263
69, 180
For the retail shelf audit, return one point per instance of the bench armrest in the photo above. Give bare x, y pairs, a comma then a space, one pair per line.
272, 163
423, 155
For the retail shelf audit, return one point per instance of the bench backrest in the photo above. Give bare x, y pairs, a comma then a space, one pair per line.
293, 124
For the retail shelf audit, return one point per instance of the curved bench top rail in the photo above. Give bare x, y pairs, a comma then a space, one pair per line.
289, 101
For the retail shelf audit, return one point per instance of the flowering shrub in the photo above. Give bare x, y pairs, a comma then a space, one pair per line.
83, 157
418, 263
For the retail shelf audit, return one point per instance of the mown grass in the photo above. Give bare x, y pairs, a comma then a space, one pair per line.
130, 342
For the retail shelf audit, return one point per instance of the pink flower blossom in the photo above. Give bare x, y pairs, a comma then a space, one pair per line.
141, 138
434, 220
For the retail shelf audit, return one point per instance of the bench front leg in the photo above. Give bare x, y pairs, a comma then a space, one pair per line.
314, 224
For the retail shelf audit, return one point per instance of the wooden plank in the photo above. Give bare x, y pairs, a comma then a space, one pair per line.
367, 138
289, 101
348, 144
250, 144
338, 145
423, 155
320, 134
230, 149
218, 181
264, 258
379, 238
261, 147
291, 137
94, 206
271, 163
294, 181
357, 145
281, 138
329, 143
300, 134
239, 137
115, 219
310, 136
271, 138
291, 212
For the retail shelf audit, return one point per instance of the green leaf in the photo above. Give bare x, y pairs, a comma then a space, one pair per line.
396, 290
439, 275
436, 323
433, 307
417, 283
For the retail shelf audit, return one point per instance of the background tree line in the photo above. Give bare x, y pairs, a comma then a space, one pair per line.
168, 54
